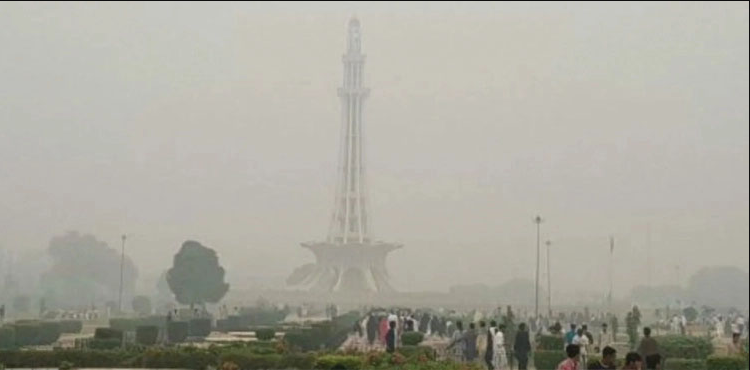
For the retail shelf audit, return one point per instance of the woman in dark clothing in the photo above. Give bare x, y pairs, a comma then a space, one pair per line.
522, 347
390, 338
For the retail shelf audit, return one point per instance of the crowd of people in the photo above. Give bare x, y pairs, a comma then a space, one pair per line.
500, 340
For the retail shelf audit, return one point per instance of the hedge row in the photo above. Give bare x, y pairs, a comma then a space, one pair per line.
412, 338
685, 347
326, 335
29, 333
246, 358
551, 343
684, 364
265, 334
726, 363
548, 360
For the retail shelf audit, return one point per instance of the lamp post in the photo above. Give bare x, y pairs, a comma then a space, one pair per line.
549, 281
122, 261
538, 222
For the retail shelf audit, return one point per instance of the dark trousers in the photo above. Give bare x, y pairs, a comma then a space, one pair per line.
523, 361
488, 361
652, 361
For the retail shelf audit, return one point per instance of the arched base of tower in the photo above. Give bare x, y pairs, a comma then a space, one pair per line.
344, 268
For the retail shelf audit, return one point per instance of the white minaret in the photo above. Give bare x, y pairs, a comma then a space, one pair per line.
349, 223
348, 261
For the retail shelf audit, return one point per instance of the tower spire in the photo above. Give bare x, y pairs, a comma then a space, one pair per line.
349, 222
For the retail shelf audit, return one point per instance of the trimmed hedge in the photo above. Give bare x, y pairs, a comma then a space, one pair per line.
679, 346
726, 363
348, 362
265, 334
199, 327
146, 335
49, 332
412, 338
7, 337
551, 343
684, 364
27, 333
104, 344
107, 333
189, 358
177, 331
548, 360
71, 326
415, 352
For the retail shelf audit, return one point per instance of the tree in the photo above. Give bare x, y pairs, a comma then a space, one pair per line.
142, 305
691, 314
85, 270
196, 276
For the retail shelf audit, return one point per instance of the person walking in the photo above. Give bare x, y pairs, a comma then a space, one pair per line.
570, 334
390, 338
607, 362
500, 358
522, 347
572, 362
582, 341
649, 350
633, 361
489, 351
456, 344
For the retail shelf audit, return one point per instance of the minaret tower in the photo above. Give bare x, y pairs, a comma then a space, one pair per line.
349, 222
349, 260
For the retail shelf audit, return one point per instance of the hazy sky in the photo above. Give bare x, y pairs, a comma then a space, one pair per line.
220, 121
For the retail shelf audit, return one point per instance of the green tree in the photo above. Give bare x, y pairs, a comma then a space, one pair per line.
142, 305
196, 276
691, 314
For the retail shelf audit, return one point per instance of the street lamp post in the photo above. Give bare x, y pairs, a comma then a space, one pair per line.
549, 281
538, 221
122, 261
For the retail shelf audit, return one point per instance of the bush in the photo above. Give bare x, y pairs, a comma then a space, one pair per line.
265, 334
27, 334
199, 327
679, 346
684, 364
7, 337
327, 362
415, 352
146, 335
108, 333
104, 344
551, 343
65, 365
189, 358
49, 332
412, 338
261, 316
71, 326
548, 360
177, 331
299, 361
726, 363
252, 361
